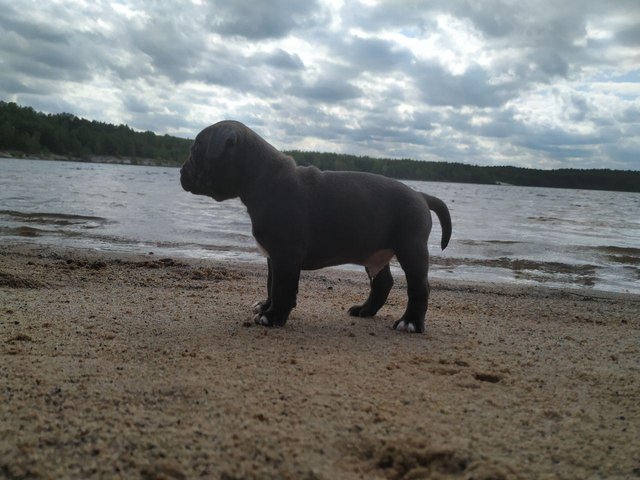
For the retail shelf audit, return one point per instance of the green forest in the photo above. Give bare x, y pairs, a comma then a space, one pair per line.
25, 132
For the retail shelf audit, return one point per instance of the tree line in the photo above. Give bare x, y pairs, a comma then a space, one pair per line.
590, 179
27, 132
24, 130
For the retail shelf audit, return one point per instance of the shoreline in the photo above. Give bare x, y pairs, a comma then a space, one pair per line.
352, 272
108, 159
145, 366
438, 272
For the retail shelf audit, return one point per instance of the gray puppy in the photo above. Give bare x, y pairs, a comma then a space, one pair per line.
305, 219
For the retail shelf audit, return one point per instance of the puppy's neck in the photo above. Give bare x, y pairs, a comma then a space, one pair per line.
262, 172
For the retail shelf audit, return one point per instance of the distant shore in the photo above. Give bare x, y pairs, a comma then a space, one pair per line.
406, 169
139, 366
149, 162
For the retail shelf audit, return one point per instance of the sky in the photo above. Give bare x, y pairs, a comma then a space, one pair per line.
532, 83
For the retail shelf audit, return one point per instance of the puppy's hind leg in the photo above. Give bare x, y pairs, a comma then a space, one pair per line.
380, 287
415, 263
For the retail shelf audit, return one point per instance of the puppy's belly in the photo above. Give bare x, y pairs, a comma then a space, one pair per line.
374, 262
377, 261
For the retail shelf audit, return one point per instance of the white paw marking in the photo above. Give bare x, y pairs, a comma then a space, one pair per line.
257, 307
262, 320
401, 326
411, 328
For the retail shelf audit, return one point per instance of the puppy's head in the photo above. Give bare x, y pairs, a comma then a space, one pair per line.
214, 166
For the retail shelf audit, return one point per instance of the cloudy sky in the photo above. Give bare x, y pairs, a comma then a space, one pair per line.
542, 84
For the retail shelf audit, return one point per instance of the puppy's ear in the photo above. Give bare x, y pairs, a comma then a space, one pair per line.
222, 138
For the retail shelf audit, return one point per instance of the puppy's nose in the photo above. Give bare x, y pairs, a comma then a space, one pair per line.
183, 169
185, 180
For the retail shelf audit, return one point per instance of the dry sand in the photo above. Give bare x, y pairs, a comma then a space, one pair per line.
115, 366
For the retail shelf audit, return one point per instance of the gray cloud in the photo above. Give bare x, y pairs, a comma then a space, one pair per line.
282, 60
537, 83
631, 115
413, 15
623, 156
41, 51
260, 20
472, 88
326, 89
373, 54
629, 36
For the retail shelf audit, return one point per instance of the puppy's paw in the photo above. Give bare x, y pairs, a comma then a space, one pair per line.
361, 311
269, 319
260, 319
409, 326
260, 307
256, 307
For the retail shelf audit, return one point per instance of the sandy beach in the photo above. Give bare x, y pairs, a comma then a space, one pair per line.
125, 366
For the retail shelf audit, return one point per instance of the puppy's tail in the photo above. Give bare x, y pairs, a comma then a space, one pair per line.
442, 212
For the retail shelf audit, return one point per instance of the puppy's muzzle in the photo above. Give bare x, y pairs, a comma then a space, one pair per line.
186, 176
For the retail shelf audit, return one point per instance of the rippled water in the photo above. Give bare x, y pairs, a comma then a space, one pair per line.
556, 237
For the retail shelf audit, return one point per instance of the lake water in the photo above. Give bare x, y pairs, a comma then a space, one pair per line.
560, 238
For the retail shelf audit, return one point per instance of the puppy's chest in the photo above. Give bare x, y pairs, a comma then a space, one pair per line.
262, 250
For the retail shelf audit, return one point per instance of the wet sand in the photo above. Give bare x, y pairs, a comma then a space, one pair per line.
124, 366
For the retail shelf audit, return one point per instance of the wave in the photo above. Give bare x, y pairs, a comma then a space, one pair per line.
488, 242
53, 218
618, 250
620, 255
541, 271
518, 264
24, 231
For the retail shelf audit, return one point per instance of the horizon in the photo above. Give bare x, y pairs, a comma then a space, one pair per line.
347, 154
535, 84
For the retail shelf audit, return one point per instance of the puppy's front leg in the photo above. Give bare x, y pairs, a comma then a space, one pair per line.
261, 307
283, 291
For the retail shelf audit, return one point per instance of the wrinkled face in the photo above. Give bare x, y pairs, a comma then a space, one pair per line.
192, 173
212, 168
